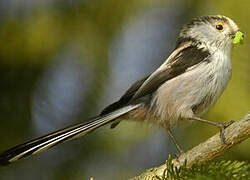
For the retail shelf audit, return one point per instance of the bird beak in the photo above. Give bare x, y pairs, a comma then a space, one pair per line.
238, 37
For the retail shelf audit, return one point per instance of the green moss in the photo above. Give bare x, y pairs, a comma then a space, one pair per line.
211, 170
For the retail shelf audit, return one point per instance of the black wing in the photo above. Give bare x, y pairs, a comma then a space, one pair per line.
125, 98
174, 66
178, 62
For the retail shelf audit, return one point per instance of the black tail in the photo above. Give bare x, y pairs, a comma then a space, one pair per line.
45, 142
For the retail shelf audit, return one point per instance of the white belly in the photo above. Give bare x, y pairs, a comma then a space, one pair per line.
194, 92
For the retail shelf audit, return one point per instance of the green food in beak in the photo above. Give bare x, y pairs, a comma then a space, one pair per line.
238, 37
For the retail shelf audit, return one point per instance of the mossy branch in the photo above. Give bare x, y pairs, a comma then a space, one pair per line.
211, 148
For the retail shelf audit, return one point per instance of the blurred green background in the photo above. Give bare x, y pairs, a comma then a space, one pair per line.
62, 62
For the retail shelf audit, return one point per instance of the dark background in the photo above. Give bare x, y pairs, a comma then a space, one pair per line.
62, 62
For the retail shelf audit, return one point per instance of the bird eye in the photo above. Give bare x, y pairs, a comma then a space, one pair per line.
219, 26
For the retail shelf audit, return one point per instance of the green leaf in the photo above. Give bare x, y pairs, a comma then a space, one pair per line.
238, 37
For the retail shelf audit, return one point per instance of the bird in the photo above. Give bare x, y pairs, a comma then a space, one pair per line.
183, 88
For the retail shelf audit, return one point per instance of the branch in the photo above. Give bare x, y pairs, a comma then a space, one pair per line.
213, 147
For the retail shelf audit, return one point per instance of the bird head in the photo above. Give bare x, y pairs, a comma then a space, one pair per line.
214, 32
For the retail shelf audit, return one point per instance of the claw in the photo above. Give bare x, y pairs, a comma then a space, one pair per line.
222, 131
222, 136
228, 123
176, 157
222, 126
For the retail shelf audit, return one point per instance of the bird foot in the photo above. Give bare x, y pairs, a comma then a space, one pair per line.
222, 127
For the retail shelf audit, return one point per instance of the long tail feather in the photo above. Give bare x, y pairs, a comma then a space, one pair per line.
45, 142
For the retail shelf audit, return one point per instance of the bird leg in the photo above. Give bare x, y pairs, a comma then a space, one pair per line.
221, 126
179, 148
